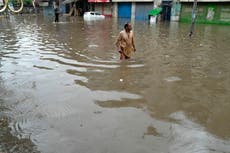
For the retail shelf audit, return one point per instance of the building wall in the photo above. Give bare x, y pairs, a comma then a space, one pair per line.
124, 9
108, 9
175, 12
142, 10
48, 11
104, 8
133, 10
209, 12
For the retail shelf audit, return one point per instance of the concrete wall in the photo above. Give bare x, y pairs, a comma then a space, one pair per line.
115, 10
133, 10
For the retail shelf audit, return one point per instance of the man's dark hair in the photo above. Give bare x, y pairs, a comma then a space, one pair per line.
126, 25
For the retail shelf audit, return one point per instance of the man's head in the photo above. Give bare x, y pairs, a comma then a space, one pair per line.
128, 27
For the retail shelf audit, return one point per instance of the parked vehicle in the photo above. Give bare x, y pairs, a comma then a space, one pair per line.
93, 16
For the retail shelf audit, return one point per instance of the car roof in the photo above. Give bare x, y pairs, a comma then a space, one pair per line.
92, 12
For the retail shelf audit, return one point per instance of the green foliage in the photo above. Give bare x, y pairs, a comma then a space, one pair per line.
17, 2
27, 2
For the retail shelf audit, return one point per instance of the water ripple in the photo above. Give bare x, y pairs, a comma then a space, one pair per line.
53, 75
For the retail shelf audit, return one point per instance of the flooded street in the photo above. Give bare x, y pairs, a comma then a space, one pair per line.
63, 88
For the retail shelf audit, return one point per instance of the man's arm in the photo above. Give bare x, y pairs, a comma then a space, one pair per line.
118, 41
134, 48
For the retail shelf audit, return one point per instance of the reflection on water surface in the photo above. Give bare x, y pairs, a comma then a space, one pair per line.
64, 89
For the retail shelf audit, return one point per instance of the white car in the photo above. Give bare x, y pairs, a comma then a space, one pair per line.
93, 16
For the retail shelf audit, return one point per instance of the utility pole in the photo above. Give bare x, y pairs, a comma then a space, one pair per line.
193, 17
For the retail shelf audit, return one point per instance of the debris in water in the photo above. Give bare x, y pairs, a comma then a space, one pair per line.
172, 79
91, 46
167, 56
97, 112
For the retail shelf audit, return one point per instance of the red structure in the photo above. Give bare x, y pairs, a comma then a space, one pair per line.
95, 1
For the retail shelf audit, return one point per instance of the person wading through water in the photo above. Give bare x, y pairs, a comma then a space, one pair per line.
125, 42
56, 10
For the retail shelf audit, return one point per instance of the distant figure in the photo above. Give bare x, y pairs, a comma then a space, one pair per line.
56, 10
125, 42
74, 9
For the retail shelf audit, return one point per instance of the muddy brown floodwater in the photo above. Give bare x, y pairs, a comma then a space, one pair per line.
63, 88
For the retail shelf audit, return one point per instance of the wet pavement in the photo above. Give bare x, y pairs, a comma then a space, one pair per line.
64, 89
